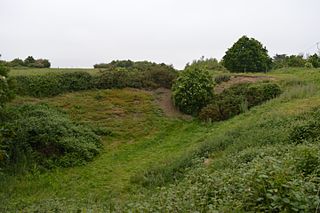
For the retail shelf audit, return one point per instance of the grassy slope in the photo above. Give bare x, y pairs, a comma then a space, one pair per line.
151, 139
142, 136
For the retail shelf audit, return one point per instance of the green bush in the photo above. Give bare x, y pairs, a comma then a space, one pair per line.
6, 86
37, 134
141, 74
308, 65
210, 64
53, 84
122, 77
238, 99
307, 132
221, 78
192, 90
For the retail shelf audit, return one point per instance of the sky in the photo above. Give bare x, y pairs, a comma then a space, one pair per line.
80, 33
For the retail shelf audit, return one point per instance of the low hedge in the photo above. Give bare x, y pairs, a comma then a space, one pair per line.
57, 83
53, 84
238, 99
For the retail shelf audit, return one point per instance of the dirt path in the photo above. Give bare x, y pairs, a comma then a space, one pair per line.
163, 99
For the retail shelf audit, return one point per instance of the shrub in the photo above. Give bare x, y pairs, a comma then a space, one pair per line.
17, 62
37, 134
221, 78
53, 84
141, 74
314, 60
307, 132
238, 99
192, 90
6, 86
210, 64
308, 65
247, 55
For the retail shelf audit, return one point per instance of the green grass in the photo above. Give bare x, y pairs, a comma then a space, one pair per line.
44, 71
145, 141
142, 136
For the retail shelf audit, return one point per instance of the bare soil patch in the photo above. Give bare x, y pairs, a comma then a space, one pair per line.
164, 100
240, 79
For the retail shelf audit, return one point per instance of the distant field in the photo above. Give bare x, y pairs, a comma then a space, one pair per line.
43, 71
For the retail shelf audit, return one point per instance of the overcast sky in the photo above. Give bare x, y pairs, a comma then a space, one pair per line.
80, 33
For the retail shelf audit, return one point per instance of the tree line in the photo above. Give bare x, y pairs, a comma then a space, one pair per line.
30, 61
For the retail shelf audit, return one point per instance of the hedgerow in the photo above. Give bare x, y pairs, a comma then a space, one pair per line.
57, 83
53, 84
238, 99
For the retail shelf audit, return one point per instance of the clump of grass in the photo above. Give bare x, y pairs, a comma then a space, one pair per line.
299, 91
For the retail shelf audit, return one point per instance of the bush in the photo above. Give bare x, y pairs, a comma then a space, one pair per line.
53, 84
210, 64
307, 132
192, 90
141, 74
6, 86
238, 99
221, 78
308, 65
122, 77
37, 134
247, 55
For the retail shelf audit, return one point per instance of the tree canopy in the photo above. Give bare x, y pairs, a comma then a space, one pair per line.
247, 55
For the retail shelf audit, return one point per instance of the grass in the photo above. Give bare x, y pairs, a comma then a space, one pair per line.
142, 136
144, 141
44, 71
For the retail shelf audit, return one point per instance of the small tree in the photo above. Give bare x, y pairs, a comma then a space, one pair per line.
247, 55
192, 90
314, 60
29, 60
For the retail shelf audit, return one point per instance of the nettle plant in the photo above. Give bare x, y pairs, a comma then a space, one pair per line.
192, 90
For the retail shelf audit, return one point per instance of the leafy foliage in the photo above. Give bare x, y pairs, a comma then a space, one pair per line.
210, 64
37, 134
314, 60
283, 61
308, 131
29, 62
192, 90
53, 84
247, 55
6, 86
237, 99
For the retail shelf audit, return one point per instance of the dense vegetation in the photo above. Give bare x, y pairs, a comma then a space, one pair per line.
238, 99
209, 64
6, 86
263, 155
192, 90
247, 55
28, 62
53, 84
44, 137
149, 76
283, 61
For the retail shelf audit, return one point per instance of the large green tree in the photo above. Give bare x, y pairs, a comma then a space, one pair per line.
247, 55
